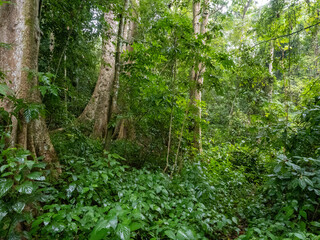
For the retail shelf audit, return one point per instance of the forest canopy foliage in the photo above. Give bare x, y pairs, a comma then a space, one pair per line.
159, 119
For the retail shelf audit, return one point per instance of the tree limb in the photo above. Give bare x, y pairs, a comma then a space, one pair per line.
286, 35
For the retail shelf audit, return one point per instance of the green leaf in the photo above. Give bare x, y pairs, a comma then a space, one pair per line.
277, 168
30, 164
3, 167
5, 90
170, 234
289, 212
36, 176
303, 214
43, 90
39, 165
37, 222
113, 221
101, 230
316, 224
26, 187
299, 235
3, 212
57, 227
135, 226
18, 177
308, 181
123, 232
234, 219
7, 174
185, 234
5, 185
302, 183
70, 189
18, 207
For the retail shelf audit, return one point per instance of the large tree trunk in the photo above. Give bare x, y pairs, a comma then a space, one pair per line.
98, 108
19, 27
199, 27
125, 127
103, 103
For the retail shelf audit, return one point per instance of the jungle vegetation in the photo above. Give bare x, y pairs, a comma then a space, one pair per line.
159, 119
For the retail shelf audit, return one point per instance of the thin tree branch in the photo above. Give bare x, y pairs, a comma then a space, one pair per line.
286, 35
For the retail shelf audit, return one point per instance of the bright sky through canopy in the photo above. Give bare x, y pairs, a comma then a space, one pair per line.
262, 2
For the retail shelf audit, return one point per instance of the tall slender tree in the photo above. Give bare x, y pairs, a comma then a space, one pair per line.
200, 21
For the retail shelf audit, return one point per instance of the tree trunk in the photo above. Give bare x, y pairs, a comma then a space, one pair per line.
271, 57
98, 107
315, 46
125, 127
103, 102
271, 69
199, 27
19, 27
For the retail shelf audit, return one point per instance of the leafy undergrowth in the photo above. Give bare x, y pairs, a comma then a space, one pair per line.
98, 197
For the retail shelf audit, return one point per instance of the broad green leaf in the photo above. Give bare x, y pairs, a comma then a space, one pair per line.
113, 221
18, 177
30, 164
302, 183
234, 219
5, 185
36, 176
123, 232
7, 174
135, 226
308, 181
4, 89
57, 227
102, 229
277, 168
39, 165
289, 212
303, 214
3, 213
26, 187
37, 222
18, 207
316, 224
299, 235
170, 234
70, 189
3, 167
185, 234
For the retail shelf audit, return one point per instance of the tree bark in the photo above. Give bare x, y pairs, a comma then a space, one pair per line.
98, 107
196, 76
315, 46
103, 103
271, 69
19, 27
271, 57
125, 127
